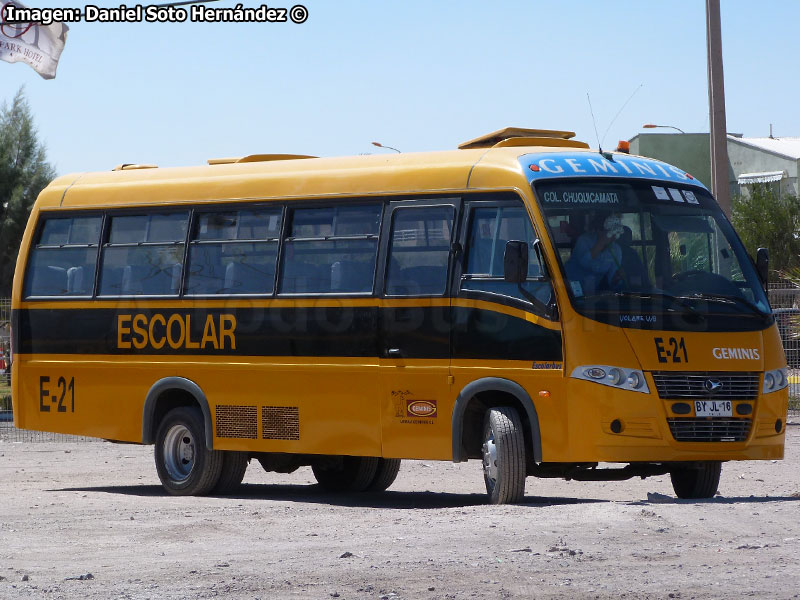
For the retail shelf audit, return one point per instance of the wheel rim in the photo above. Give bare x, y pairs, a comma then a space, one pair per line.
179, 453
490, 461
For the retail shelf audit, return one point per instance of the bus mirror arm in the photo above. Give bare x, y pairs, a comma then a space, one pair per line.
551, 306
548, 309
515, 270
762, 266
537, 246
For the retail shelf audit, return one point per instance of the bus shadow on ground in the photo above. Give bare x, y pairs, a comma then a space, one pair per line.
663, 499
313, 494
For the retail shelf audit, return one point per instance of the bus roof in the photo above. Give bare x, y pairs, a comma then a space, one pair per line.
385, 174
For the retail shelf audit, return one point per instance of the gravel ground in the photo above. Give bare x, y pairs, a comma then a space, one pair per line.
89, 520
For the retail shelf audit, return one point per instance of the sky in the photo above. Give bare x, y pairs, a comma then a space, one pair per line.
416, 75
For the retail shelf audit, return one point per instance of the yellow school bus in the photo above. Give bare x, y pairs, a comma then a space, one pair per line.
550, 310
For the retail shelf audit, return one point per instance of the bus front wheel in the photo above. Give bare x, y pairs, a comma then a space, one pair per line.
184, 465
697, 481
503, 455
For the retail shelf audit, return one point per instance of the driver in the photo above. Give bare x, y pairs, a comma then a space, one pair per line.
596, 261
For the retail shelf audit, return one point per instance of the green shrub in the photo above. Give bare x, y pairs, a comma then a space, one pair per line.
767, 219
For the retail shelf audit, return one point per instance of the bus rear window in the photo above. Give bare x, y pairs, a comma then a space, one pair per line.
63, 262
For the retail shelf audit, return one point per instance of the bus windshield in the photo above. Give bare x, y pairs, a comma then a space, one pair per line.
656, 256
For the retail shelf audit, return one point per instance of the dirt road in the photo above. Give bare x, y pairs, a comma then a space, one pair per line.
89, 520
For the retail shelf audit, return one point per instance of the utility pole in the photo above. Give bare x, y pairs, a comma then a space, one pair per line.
716, 100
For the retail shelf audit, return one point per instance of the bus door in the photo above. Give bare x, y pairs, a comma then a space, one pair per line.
415, 328
508, 331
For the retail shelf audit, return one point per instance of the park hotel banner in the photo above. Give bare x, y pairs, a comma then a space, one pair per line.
33, 43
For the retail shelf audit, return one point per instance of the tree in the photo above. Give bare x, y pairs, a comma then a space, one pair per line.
767, 219
24, 172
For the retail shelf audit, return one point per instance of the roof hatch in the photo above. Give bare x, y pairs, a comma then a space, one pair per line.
132, 167
257, 158
519, 136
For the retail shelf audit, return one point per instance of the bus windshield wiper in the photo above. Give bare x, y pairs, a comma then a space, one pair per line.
679, 300
729, 299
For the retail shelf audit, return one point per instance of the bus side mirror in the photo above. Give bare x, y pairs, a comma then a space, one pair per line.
762, 265
515, 261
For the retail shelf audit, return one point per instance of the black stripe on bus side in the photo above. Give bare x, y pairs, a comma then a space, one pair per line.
488, 334
308, 331
423, 332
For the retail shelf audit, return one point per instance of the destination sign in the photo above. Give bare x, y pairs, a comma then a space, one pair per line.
590, 164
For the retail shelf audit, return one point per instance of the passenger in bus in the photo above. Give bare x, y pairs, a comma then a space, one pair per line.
595, 264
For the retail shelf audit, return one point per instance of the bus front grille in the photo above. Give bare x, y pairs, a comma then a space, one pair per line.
709, 430
701, 385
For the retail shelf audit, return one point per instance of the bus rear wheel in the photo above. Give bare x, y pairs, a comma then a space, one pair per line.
347, 474
234, 465
503, 455
184, 465
697, 481
385, 474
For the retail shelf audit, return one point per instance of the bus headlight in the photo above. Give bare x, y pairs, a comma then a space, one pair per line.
595, 373
635, 380
775, 380
616, 377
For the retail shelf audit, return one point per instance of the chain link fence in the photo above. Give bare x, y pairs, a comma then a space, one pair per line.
6, 427
784, 297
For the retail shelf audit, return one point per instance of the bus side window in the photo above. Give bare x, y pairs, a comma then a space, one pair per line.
490, 227
144, 255
331, 250
419, 251
63, 262
234, 252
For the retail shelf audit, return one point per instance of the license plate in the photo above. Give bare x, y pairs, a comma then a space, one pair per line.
713, 408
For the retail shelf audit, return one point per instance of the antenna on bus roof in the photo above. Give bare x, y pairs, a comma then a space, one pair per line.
608, 155
619, 112
594, 122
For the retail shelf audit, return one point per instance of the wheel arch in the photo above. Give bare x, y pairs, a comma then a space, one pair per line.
487, 392
169, 393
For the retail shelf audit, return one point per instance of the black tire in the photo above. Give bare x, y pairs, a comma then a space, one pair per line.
386, 473
184, 465
234, 465
503, 452
350, 474
695, 482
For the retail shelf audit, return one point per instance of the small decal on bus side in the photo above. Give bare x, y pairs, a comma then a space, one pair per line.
60, 398
421, 408
542, 366
675, 349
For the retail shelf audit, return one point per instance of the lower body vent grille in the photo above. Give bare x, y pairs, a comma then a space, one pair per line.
709, 430
280, 423
237, 422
